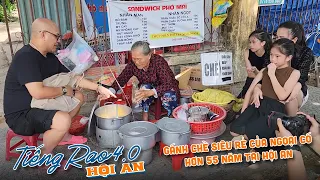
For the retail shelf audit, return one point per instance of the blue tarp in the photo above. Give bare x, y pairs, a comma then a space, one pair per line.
306, 12
313, 42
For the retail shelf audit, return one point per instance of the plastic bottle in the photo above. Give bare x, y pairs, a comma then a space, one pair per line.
135, 88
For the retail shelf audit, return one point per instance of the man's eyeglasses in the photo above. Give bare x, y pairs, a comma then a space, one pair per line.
58, 36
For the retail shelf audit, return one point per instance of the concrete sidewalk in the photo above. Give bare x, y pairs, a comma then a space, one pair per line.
160, 167
5, 53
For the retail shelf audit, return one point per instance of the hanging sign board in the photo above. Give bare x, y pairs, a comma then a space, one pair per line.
98, 10
270, 2
216, 68
161, 23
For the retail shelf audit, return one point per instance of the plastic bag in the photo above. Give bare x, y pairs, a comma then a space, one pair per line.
219, 12
214, 96
238, 105
78, 56
181, 114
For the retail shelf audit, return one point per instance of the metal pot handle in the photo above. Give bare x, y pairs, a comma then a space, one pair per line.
180, 136
116, 119
108, 103
120, 134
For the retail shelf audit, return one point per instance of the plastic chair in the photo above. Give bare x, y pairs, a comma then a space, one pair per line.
29, 140
158, 111
176, 159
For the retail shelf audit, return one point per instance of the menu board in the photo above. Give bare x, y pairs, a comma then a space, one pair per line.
161, 23
216, 68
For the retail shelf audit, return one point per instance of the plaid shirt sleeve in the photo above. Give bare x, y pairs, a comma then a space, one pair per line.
124, 77
306, 60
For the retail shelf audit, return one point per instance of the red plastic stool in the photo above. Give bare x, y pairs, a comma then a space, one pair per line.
158, 110
154, 121
176, 159
29, 140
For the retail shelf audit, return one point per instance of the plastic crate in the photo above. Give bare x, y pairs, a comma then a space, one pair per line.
108, 58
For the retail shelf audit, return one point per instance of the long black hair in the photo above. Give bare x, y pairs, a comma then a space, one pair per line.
263, 36
285, 46
296, 30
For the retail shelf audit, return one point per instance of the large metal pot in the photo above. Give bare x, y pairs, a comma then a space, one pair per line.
112, 117
107, 138
140, 133
174, 131
177, 139
145, 156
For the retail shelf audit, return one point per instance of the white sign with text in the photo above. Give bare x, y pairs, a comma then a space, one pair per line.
216, 68
270, 2
161, 23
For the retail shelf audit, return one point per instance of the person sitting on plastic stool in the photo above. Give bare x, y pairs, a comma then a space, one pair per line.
30, 66
155, 77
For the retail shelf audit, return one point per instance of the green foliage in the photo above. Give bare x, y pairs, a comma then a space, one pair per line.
10, 7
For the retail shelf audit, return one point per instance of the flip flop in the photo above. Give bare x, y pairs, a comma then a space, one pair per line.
74, 140
237, 138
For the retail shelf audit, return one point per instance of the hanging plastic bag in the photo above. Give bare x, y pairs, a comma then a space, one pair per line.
78, 56
219, 12
181, 114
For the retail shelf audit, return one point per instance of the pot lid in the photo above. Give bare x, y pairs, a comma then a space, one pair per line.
138, 129
173, 125
211, 135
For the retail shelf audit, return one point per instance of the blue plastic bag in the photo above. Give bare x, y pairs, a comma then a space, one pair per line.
313, 42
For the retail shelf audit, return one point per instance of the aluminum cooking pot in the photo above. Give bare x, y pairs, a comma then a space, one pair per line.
174, 131
145, 156
112, 117
138, 133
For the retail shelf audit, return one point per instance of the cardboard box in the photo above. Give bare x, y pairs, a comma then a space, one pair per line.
195, 81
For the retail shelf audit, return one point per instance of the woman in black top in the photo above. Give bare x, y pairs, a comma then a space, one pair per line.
256, 57
302, 60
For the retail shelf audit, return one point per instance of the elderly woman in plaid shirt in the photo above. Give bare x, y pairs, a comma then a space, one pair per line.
155, 77
301, 61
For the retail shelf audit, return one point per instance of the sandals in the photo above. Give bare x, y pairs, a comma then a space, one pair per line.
74, 140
